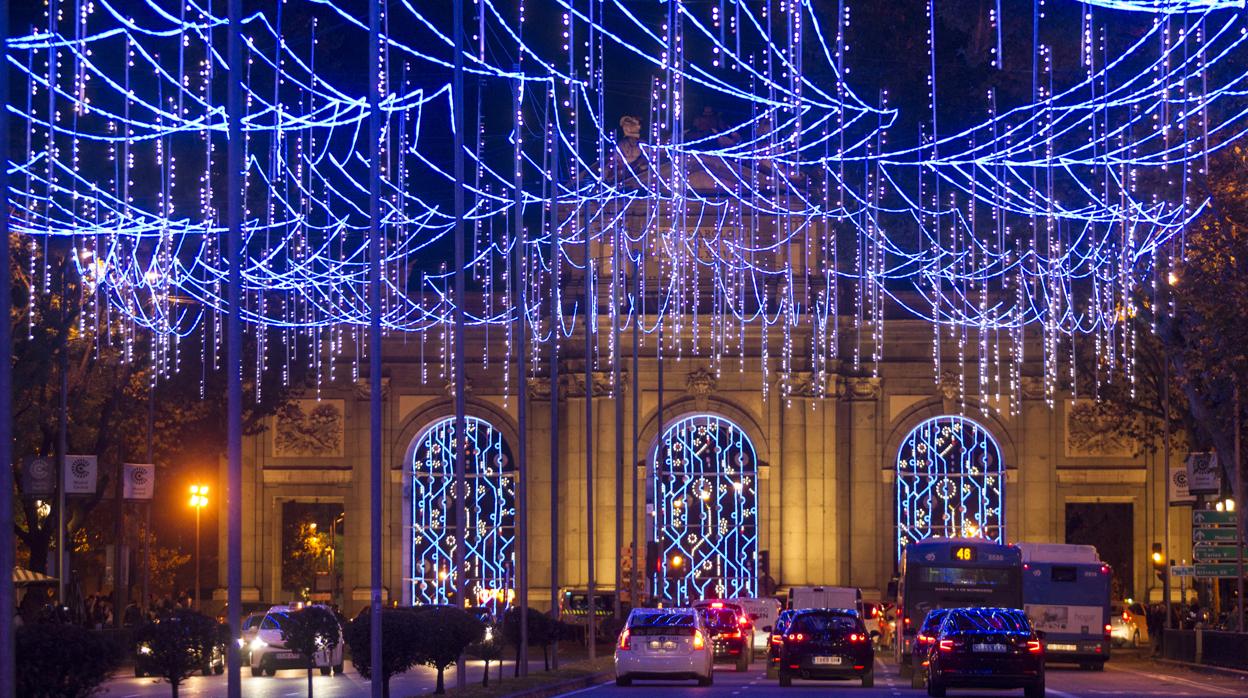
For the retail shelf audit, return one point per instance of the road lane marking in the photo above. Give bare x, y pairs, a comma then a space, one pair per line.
1060, 694
586, 690
1189, 682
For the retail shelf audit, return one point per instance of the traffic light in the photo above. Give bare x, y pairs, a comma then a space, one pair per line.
1159, 562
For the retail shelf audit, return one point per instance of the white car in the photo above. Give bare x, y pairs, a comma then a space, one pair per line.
267, 653
664, 643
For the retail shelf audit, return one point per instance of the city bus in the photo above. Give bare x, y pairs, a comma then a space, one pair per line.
1066, 590
952, 573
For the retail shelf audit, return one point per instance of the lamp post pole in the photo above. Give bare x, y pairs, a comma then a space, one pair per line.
199, 500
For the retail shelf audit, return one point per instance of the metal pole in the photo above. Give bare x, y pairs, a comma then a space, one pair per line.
619, 422
1165, 578
62, 452
588, 315
120, 593
522, 395
634, 591
1239, 517
8, 670
147, 509
234, 343
195, 597
377, 684
555, 329
461, 299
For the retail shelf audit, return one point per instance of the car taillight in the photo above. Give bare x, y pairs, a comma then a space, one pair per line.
857, 637
743, 620
795, 637
1126, 616
1033, 646
1108, 630
699, 642
732, 635
776, 639
946, 645
626, 642
925, 638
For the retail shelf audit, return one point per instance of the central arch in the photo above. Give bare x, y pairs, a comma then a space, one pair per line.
703, 497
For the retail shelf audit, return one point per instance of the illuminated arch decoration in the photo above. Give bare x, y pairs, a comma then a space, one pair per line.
950, 482
491, 507
704, 492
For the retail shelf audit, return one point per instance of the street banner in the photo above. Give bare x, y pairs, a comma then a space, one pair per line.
80, 474
140, 480
1179, 493
38, 478
1204, 475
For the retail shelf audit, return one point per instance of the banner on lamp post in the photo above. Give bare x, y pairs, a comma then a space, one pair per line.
1204, 475
140, 480
38, 478
80, 474
1179, 492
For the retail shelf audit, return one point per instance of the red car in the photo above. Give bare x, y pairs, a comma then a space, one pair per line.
732, 632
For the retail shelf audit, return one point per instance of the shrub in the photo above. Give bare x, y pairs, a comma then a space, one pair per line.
489, 648
445, 632
400, 645
178, 645
310, 630
61, 661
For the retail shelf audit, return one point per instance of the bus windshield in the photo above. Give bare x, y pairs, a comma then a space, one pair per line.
965, 576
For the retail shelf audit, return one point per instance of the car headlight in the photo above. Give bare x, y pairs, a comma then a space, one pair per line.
241, 643
258, 644
145, 648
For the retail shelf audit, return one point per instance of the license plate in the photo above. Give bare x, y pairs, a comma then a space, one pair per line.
662, 644
288, 655
1062, 648
827, 660
990, 647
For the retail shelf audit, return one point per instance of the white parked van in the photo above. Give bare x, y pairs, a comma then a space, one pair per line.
763, 613
826, 597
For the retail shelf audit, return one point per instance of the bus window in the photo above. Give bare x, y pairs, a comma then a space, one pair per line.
1064, 574
966, 576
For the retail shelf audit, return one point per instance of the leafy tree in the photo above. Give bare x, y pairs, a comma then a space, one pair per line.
489, 648
445, 632
310, 630
400, 644
61, 661
544, 632
178, 644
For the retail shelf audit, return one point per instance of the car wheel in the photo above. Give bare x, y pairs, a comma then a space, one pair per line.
743, 663
1035, 690
257, 671
772, 672
623, 681
905, 670
708, 680
325, 671
1135, 639
338, 669
935, 690
868, 679
139, 673
785, 680
916, 680
219, 669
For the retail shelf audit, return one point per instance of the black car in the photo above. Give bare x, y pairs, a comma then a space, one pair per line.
986, 648
922, 642
826, 644
775, 639
732, 636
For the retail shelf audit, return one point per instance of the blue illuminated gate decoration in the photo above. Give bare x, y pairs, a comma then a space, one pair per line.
949, 482
705, 512
491, 510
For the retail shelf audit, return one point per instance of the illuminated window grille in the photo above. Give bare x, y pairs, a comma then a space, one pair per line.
949, 483
491, 507
704, 505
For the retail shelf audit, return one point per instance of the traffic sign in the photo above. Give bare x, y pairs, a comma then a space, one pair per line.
1182, 571
1223, 569
1204, 552
1204, 517
1212, 535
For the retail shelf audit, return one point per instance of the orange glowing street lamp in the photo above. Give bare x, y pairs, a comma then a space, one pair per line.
199, 500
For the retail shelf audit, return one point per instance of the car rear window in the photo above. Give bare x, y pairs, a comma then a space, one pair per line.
273, 621
815, 623
990, 621
663, 624
720, 617
932, 621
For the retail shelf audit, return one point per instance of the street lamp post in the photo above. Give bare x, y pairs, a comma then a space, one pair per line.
199, 500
